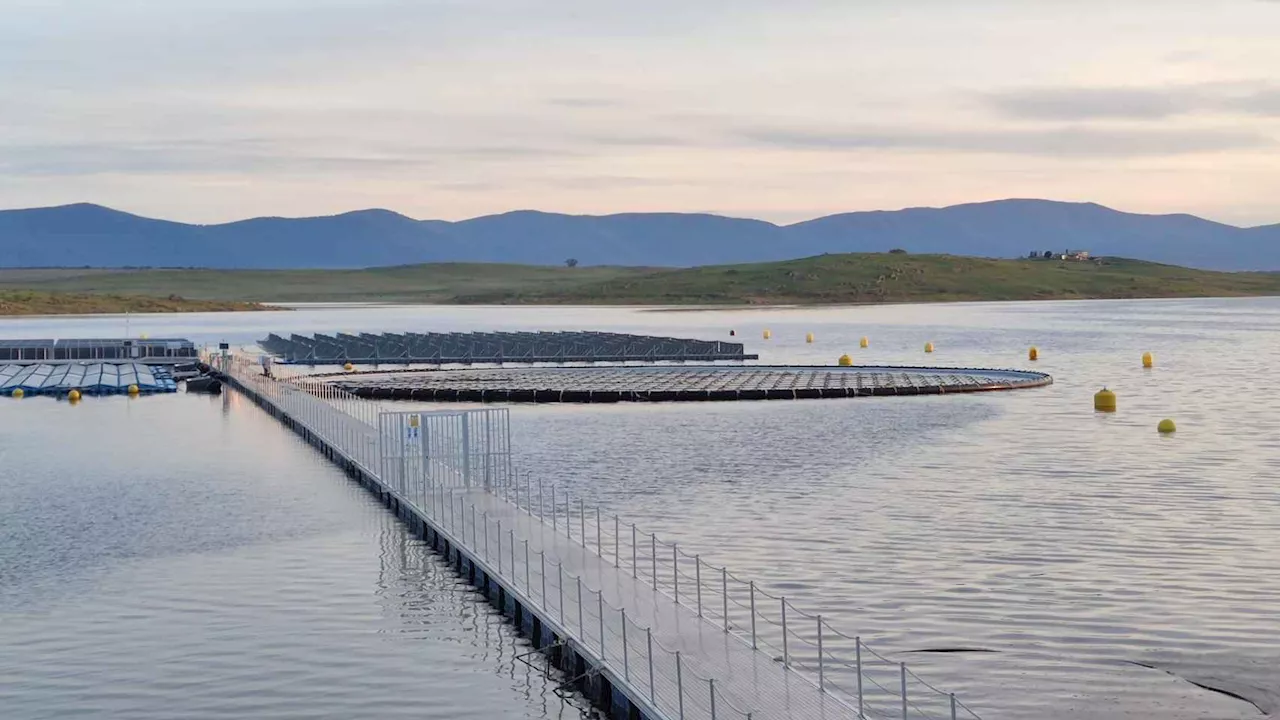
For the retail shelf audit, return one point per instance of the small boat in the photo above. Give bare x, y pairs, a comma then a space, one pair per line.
204, 384
183, 371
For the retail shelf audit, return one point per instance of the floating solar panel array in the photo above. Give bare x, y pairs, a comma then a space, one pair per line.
676, 383
89, 379
151, 350
496, 347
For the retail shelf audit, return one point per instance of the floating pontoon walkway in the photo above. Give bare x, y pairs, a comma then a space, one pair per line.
680, 383
89, 379
496, 348
646, 628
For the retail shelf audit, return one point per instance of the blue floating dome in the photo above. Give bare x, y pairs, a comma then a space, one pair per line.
89, 378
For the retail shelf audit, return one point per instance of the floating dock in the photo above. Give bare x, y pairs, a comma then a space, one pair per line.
680, 383
496, 348
648, 630
88, 378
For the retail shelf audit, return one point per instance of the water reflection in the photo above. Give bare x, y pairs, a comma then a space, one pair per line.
185, 556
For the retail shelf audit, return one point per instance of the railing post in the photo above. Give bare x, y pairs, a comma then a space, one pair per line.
511, 540
599, 544
542, 565
753, 615
582, 628
553, 509
475, 533
679, 685
712, 683
485, 517
953, 706
560, 585
724, 589
675, 570
582, 520
527, 587
600, 610
903, 667
822, 681
568, 517
697, 578
626, 658
648, 637
486, 540
786, 657
617, 543
653, 551
857, 658
634, 552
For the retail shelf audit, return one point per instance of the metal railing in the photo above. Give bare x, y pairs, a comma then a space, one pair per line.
838, 664
605, 632
345, 421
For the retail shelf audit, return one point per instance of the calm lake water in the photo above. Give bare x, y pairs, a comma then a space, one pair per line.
187, 557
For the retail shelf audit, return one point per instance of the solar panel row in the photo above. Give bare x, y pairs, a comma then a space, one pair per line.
89, 379
97, 349
497, 347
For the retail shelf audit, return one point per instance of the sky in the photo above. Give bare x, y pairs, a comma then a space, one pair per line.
216, 111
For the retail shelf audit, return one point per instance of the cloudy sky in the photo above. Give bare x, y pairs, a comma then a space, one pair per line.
210, 111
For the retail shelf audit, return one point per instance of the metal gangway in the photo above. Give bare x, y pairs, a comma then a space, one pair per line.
686, 640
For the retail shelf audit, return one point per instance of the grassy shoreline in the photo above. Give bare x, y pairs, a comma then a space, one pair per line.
848, 279
23, 303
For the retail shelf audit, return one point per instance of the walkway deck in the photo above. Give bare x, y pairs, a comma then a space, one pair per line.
677, 637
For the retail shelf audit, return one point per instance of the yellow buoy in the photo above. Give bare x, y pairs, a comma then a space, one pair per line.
74, 395
1104, 401
864, 342
808, 337
1148, 360
18, 393
348, 367
133, 390
1033, 353
767, 334
928, 347
1166, 426
845, 361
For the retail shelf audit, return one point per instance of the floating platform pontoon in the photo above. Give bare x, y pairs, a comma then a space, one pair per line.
496, 348
89, 379
680, 383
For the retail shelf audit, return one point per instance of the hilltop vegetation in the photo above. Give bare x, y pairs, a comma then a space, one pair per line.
833, 279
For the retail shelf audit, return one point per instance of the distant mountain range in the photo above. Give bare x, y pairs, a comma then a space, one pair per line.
92, 235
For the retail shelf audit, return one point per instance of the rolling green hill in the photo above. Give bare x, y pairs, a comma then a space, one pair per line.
826, 279
28, 302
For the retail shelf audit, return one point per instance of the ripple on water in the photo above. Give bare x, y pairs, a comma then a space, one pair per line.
1071, 544
201, 583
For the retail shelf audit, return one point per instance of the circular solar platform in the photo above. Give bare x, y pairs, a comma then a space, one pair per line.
680, 383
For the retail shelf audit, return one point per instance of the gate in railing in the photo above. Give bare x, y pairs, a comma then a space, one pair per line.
445, 449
